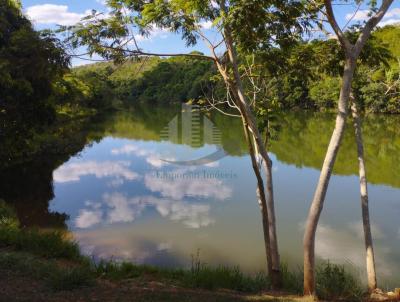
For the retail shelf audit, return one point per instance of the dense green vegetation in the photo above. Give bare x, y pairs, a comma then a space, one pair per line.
308, 74
151, 80
30, 63
39, 96
304, 75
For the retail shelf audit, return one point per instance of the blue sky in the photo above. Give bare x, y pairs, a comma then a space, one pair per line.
48, 13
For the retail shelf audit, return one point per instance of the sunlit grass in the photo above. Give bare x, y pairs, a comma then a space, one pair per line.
202, 276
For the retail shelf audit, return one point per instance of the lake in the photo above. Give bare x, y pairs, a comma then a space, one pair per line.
163, 185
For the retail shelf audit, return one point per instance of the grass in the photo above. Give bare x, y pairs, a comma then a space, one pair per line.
199, 276
48, 244
51, 244
71, 278
334, 283
52, 257
56, 276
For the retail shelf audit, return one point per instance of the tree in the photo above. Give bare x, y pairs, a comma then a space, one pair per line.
241, 24
352, 53
369, 248
30, 62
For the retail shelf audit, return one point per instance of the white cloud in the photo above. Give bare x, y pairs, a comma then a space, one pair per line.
74, 171
126, 149
193, 216
88, 218
206, 24
115, 183
120, 208
123, 209
179, 188
151, 156
358, 16
389, 22
92, 204
54, 14
212, 164
393, 13
391, 17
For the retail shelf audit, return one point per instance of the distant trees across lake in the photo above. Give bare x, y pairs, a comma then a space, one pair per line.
305, 76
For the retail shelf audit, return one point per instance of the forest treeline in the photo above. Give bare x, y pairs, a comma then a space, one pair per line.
305, 75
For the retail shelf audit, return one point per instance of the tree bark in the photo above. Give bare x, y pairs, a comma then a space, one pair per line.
326, 172
260, 196
267, 163
248, 118
370, 259
276, 274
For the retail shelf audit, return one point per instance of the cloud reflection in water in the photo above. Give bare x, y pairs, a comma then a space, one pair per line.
72, 172
117, 208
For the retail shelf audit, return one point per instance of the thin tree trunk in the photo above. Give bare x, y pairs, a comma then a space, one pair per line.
267, 163
276, 277
370, 259
276, 274
326, 171
249, 120
260, 196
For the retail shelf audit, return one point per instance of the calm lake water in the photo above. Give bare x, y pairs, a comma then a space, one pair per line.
132, 191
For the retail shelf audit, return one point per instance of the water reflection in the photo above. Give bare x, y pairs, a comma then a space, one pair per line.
179, 183
75, 170
351, 248
116, 207
117, 194
304, 138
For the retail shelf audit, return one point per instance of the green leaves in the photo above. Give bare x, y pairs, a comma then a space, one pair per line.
260, 24
30, 63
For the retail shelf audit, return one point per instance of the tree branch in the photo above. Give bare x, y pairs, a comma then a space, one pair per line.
335, 26
369, 26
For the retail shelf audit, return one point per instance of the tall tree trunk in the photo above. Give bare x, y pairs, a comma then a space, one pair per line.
370, 259
276, 273
326, 171
267, 163
260, 195
239, 97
